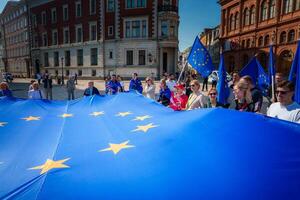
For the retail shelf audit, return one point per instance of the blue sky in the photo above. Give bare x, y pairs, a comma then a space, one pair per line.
195, 15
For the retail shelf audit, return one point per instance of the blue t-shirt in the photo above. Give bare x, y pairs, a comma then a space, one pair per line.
113, 86
136, 85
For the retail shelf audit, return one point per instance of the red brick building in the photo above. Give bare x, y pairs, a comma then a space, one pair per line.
95, 38
249, 27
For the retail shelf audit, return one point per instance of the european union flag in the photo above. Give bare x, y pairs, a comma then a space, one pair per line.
222, 86
271, 70
257, 73
125, 146
295, 74
200, 59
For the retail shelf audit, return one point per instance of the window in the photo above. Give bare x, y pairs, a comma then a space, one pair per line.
78, 9
236, 22
246, 17
164, 28
67, 72
111, 55
264, 11
65, 12
252, 15
79, 33
94, 56
46, 59
80, 72
287, 6
272, 8
136, 3
110, 31
54, 37
93, 31
94, 72
267, 40
248, 43
79, 57
129, 57
56, 58
34, 22
243, 43
66, 35
136, 29
291, 37
45, 39
232, 22
53, 15
67, 58
110, 5
167, 2
282, 37
92, 7
44, 18
142, 57
260, 41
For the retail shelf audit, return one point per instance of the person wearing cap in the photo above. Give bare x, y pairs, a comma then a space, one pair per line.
178, 98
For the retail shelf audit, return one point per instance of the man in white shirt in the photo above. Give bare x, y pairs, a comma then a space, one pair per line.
171, 82
285, 108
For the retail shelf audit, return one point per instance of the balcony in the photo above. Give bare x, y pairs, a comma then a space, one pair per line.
167, 8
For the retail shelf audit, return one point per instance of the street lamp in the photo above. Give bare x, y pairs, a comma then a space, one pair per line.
62, 71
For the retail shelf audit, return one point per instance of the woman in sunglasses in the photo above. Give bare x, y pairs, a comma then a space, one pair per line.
150, 88
212, 99
196, 99
243, 98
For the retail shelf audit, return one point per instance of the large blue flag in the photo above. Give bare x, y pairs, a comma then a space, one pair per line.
200, 59
222, 86
295, 74
271, 69
257, 73
128, 147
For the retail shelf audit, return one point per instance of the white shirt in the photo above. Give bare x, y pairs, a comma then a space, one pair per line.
150, 91
171, 84
289, 113
35, 94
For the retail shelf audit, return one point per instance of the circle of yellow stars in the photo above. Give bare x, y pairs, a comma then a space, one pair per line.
113, 147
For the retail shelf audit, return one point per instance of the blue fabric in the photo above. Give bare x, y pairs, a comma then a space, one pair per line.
200, 59
206, 154
136, 85
257, 73
222, 85
271, 70
295, 74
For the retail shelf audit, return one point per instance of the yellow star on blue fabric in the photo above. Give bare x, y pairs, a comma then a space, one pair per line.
116, 148
66, 115
145, 128
96, 114
51, 164
31, 118
142, 118
2, 124
123, 114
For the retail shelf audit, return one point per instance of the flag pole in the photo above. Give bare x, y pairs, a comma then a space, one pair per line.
273, 78
182, 70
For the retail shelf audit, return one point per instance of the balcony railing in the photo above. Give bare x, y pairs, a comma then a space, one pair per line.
167, 8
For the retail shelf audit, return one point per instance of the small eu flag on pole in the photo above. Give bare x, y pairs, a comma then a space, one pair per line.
272, 71
295, 74
200, 59
222, 86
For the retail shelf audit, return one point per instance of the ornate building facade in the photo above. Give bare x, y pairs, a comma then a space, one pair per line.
249, 27
96, 38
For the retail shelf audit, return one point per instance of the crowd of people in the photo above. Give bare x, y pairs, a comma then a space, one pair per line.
187, 95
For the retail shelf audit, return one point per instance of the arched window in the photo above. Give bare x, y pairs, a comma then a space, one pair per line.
267, 40
260, 41
246, 17
291, 36
236, 21
273, 8
282, 37
287, 6
252, 15
232, 20
264, 11
248, 43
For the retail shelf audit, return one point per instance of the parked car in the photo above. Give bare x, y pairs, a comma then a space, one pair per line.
215, 76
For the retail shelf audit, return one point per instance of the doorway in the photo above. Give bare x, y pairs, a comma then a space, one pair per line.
165, 62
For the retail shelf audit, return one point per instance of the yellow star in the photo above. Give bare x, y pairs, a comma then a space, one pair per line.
142, 118
66, 115
123, 114
145, 128
51, 164
116, 148
31, 118
2, 124
96, 114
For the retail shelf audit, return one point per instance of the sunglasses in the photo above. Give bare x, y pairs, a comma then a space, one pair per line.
192, 85
282, 92
213, 94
